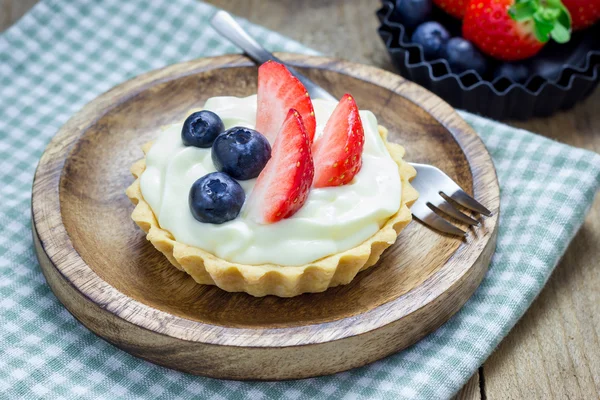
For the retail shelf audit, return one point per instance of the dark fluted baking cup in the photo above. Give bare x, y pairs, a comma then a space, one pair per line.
571, 72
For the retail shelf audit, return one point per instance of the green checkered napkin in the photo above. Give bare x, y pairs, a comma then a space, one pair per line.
64, 53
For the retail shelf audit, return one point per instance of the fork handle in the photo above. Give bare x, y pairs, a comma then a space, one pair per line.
228, 27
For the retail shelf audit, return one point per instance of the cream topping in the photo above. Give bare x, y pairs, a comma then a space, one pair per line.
332, 220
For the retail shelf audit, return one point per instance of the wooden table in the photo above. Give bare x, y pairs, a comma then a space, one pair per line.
554, 351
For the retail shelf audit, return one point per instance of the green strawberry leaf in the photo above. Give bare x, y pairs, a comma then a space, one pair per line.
554, 3
560, 33
542, 28
550, 18
523, 10
564, 18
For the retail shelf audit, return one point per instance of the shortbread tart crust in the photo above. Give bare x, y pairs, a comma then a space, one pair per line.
269, 279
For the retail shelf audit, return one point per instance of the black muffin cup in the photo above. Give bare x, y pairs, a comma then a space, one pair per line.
571, 72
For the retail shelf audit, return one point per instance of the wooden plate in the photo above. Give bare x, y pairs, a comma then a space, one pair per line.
100, 266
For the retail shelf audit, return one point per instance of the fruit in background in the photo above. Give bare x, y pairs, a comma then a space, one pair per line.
463, 56
278, 92
512, 30
412, 12
432, 37
584, 13
547, 68
516, 72
283, 185
456, 8
338, 151
216, 198
201, 129
241, 153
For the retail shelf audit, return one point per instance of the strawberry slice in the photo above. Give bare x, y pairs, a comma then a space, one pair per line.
338, 152
283, 185
278, 92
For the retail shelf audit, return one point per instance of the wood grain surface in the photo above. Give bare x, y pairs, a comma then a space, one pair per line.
347, 29
12, 10
107, 274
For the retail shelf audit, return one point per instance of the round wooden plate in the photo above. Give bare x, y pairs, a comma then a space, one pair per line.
100, 266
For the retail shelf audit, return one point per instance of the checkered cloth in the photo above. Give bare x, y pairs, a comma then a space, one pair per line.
64, 53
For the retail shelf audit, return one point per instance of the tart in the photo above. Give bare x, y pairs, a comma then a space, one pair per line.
310, 198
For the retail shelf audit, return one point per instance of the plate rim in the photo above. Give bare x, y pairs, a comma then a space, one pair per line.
65, 259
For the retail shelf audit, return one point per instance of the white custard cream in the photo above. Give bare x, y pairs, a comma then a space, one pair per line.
332, 220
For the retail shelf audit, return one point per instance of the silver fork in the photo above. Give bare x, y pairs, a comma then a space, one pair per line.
430, 182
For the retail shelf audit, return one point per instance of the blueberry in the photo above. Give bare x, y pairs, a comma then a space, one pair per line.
412, 12
216, 198
432, 37
516, 72
462, 56
241, 152
201, 129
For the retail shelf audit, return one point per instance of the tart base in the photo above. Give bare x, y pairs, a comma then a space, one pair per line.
270, 279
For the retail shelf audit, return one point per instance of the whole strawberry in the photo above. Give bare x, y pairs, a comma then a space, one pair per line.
584, 13
511, 30
456, 8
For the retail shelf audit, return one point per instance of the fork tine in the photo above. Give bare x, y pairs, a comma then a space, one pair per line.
430, 175
436, 222
431, 219
450, 210
462, 198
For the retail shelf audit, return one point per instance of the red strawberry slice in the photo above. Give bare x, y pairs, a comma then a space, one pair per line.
338, 152
278, 92
283, 185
